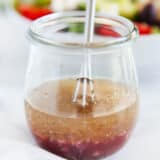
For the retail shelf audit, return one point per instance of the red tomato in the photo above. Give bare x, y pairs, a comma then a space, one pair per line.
32, 12
104, 30
144, 29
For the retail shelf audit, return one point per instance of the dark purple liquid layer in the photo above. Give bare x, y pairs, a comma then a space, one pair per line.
83, 150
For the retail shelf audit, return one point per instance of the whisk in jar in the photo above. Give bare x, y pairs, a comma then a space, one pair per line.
85, 82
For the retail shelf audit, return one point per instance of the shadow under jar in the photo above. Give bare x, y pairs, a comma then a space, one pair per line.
57, 53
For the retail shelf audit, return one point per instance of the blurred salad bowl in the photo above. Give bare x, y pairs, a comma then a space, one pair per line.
145, 14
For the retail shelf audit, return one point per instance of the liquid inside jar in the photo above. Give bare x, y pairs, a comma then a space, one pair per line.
76, 133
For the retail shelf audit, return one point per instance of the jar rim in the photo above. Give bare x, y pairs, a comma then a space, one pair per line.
35, 35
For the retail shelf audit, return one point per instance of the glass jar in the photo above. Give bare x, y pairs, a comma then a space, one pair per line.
56, 87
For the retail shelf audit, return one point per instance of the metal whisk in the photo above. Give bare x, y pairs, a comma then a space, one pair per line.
85, 77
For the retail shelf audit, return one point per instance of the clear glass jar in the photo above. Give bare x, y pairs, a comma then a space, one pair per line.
70, 128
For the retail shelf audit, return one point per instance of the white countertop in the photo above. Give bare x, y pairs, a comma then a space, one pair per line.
145, 142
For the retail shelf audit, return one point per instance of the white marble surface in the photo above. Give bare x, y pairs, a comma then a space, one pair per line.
15, 138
